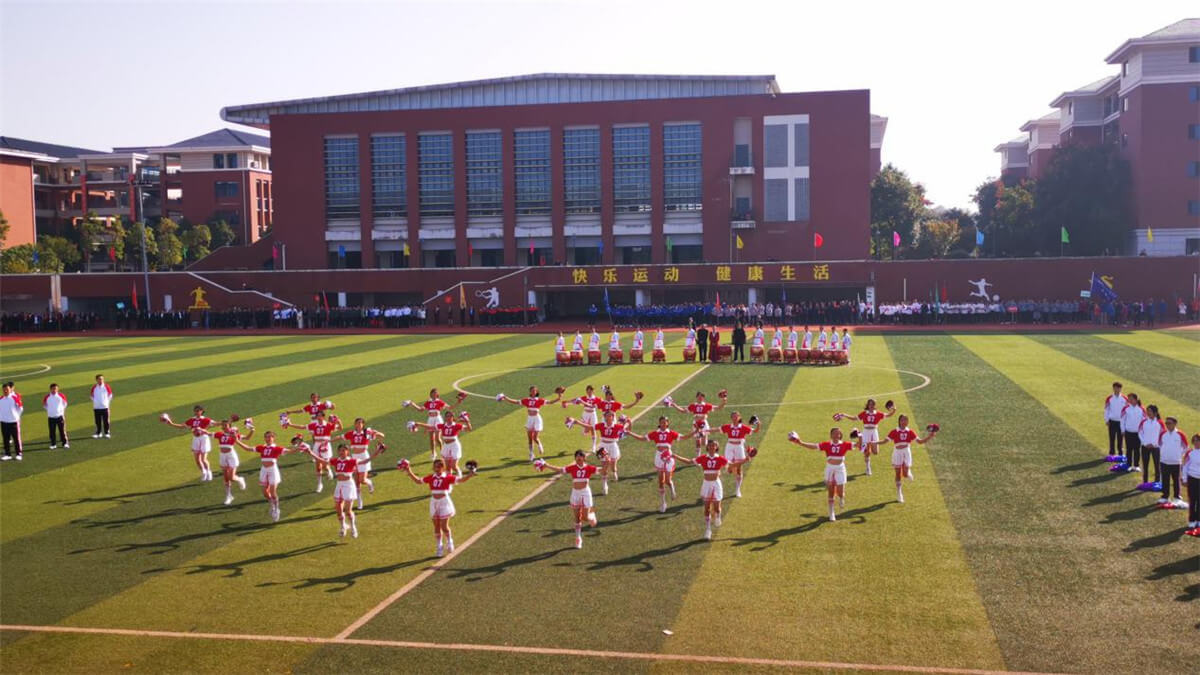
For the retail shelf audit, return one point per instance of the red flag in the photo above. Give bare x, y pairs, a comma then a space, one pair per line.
135, 302
945, 294
112, 253
325, 299
317, 299
818, 240
718, 304
530, 247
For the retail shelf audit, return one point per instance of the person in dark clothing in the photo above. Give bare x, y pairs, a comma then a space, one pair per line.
702, 342
739, 343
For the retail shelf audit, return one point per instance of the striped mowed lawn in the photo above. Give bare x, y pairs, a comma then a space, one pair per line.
1015, 550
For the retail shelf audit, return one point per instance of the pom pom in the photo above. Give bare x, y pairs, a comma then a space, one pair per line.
668, 401
539, 464
464, 416
854, 433
793, 436
234, 417
328, 403
402, 464
569, 422
462, 396
248, 423
334, 419
472, 466
934, 428
283, 420
165, 417
407, 402
724, 393
381, 448
560, 390
638, 395
837, 417
298, 440
602, 453
752, 452
499, 397
890, 405
753, 420
411, 426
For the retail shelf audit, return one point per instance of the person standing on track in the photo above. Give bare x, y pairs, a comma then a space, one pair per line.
197, 425
1191, 473
441, 507
835, 450
533, 418
700, 338
582, 506
1172, 443
1131, 418
102, 396
360, 438
1113, 404
55, 405
737, 435
11, 409
902, 439
1149, 431
868, 439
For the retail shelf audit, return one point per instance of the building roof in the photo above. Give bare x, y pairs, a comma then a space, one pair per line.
224, 138
1052, 117
1019, 141
1183, 31
49, 149
1089, 89
541, 88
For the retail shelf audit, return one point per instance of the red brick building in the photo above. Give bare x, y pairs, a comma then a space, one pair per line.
1151, 110
571, 169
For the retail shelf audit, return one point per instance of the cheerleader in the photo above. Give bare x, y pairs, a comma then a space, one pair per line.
868, 438
345, 492
314, 406
588, 419
197, 425
664, 457
582, 506
433, 408
322, 439
737, 435
268, 475
699, 410
611, 432
533, 420
1191, 473
227, 439
449, 431
612, 405
711, 490
835, 450
902, 439
441, 507
359, 438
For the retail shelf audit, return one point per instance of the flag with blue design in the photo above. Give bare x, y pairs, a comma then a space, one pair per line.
1102, 288
978, 237
607, 307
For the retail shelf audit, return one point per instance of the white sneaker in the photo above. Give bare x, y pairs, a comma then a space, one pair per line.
708, 532
578, 542
911, 475
360, 504
228, 498
531, 455
20, 458
240, 481
1179, 503
738, 494
592, 519
717, 520
1132, 469
439, 549
342, 533
107, 435
4, 458
354, 531
672, 486
275, 516
450, 546
320, 486
605, 489
370, 488
53, 447
868, 469
95, 435
832, 516
1161, 500
662, 507
900, 497
842, 503
66, 445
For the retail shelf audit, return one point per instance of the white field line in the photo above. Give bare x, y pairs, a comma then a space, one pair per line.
512, 649
428, 572
45, 368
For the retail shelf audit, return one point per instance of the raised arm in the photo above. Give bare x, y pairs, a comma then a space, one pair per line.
379, 450
632, 434
507, 399
796, 439
243, 445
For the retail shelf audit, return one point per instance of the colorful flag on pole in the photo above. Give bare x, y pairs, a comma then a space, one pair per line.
1102, 288
818, 240
1149, 234
978, 237
134, 295
718, 303
1066, 238
895, 238
341, 251
112, 253
740, 244
406, 251
607, 306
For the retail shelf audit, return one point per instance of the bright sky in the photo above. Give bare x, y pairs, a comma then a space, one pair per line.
954, 78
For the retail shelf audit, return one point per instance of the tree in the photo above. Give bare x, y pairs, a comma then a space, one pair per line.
1086, 190
1013, 222
222, 234
897, 205
196, 241
3, 230
116, 237
60, 249
17, 259
936, 237
170, 247
89, 233
133, 244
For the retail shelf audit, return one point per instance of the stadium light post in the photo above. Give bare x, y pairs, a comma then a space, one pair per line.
141, 197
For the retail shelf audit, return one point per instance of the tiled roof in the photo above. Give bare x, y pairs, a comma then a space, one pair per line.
60, 151
223, 138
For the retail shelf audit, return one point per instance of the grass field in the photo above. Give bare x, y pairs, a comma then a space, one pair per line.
1016, 549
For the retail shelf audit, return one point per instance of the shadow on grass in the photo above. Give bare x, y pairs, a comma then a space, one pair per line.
642, 560
1189, 565
1114, 498
765, 541
345, 581
1131, 514
238, 568
1106, 477
496, 569
1081, 466
1163, 539
126, 498
174, 543
818, 486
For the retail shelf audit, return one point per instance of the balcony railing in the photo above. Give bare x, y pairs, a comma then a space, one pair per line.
742, 162
742, 219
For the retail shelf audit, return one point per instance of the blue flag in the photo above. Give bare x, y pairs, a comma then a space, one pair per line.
341, 251
607, 307
35, 256
978, 237
1102, 288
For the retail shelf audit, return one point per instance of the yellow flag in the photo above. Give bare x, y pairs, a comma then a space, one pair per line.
1149, 234
740, 244
462, 297
406, 252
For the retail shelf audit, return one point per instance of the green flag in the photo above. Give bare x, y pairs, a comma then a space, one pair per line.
668, 244
1066, 239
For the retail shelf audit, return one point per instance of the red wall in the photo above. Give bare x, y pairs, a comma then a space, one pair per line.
16, 199
1051, 278
1159, 151
840, 158
200, 198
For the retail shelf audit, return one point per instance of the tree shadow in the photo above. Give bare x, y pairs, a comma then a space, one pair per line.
174, 543
1081, 466
765, 541
642, 560
496, 569
126, 498
136, 520
238, 568
344, 582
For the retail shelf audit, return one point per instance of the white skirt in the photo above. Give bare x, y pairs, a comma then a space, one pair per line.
581, 497
868, 436
229, 460
835, 473
441, 508
364, 462
902, 456
712, 490
451, 449
345, 491
613, 450
533, 423
201, 444
735, 451
269, 475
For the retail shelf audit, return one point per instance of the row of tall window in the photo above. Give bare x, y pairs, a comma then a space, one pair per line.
530, 164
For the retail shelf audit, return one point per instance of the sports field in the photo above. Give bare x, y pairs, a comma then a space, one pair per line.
1016, 549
